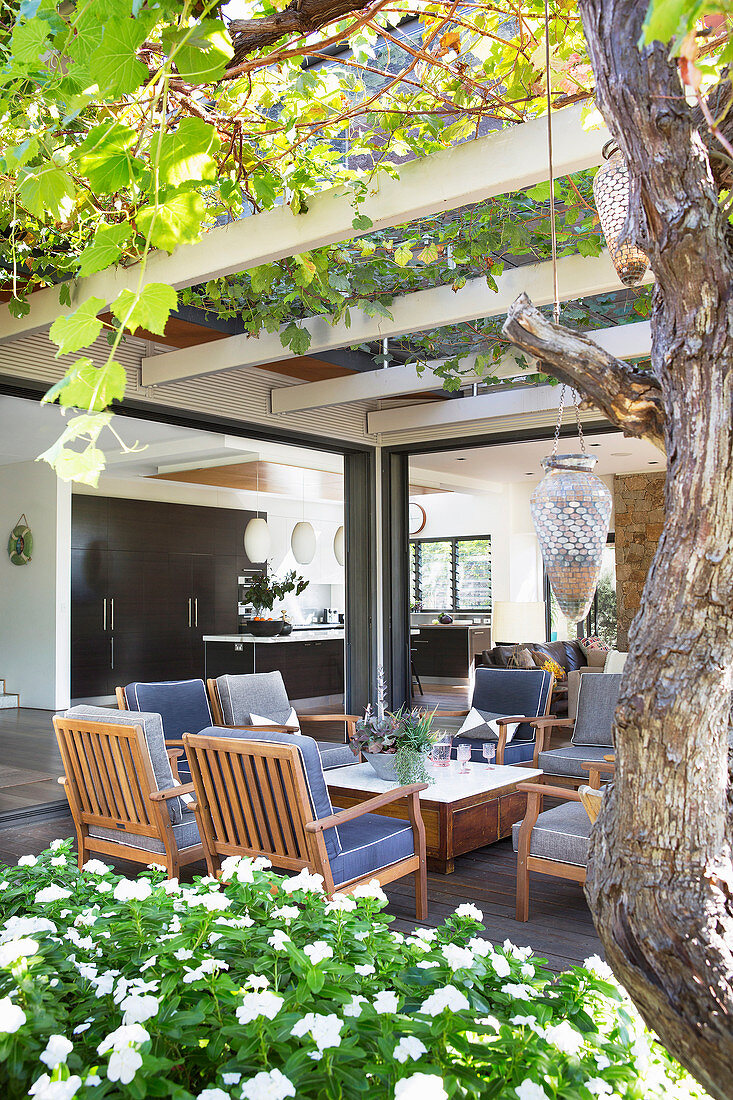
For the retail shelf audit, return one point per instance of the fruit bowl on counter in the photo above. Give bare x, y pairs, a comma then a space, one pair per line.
264, 628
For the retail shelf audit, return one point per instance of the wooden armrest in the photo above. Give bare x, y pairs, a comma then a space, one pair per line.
513, 718
608, 766
172, 792
173, 741
261, 729
567, 794
551, 720
328, 718
450, 713
375, 803
173, 754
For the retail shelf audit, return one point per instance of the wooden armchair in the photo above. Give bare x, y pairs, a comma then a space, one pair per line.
120, 788
267, 797
592, 732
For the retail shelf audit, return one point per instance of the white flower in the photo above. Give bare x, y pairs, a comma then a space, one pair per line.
409, 1047
46, 1089
527, 970
490, 1021
58, 861
341, 903
56, 844
92, 1080
51, 893
104, 887
58, 1048
213, 1094
421, 1086
170, 886
211, 901
96, 867
12, 1016
139, 1009
520, 953
458, 958
318, 951
278, 939
354, 1006
398, 937
27, 861
239, 867
385, 1002
468, 910
599, 1087
287, 913
205, 967
257, 981
16, 927
129, 890
427, 964
305, 881
255, 1005
370, 890
565, 1037
14, 950
182, 954
427, 934
500, 966
104, 984
480, 947
448, 997
123, 1065
324, 1030
268, 1086
601, 969
519, 990
363, 969
602, 1061
530, 1090
527, 1021
230, 1079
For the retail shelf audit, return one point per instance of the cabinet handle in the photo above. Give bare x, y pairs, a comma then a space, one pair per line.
104, 613
189, 610
112, 613
112, 652
196, 611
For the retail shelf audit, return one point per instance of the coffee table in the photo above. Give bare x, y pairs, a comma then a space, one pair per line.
460, 812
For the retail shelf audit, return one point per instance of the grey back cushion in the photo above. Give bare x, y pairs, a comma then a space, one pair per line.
261, 693
152, 727
597, 700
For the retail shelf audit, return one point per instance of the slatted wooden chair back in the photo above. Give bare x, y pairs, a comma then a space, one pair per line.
109, 781
592, 800
252, 800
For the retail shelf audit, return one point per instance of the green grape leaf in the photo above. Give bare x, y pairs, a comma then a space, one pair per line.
203, 57
362, 222
114, 65
85, 386
402, 255
105, 249
78, 329
262, 278
176, 221
429, 254
28, 43
105, 157
83, 466
149, 310
297, 339
665, 19
185, 154
46, 189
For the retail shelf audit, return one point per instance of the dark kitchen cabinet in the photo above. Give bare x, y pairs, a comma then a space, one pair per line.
149, 580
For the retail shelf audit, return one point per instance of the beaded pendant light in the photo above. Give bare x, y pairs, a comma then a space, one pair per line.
611, 189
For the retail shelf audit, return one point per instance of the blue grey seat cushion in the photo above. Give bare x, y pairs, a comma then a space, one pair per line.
597, 702
335, 755
504, 691
370, 843
517, 752
152, 728
261, 693
183, 705
561, 834
568, 760
312, 766
186, 835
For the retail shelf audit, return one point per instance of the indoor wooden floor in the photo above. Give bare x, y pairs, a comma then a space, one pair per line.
30, 762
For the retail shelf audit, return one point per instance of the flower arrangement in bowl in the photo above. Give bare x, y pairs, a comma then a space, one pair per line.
263, 592
258, 987
396, 744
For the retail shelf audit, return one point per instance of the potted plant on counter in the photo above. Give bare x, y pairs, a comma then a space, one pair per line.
396, 744
263, 593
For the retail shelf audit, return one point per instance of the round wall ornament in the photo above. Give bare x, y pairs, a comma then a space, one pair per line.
20, 543
418, 518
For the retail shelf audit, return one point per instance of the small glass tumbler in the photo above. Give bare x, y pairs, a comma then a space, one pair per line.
463, 752
440, 752
489, 750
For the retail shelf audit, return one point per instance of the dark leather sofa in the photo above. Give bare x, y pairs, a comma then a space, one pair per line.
568, 655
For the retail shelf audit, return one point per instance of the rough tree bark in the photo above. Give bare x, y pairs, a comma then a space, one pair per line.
299, 17
660, 879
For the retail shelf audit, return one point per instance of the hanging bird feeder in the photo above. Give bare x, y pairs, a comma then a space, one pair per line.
611, 190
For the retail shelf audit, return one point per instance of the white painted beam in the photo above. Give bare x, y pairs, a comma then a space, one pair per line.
432, 308
505, 160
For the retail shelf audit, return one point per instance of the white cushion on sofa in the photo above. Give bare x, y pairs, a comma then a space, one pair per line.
615, 661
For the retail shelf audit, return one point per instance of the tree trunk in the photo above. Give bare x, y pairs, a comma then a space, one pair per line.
660, 879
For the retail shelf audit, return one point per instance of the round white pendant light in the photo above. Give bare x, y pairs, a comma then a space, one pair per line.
339, 547
303, 542
257, 540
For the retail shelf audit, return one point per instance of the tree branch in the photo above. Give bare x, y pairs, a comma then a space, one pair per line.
631, 400
299, 17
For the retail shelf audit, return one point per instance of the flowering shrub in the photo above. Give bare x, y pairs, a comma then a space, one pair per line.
262, 989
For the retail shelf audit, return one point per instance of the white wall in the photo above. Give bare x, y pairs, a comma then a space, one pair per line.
35, 598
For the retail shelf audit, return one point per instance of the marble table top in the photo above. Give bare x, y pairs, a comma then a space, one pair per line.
449, 786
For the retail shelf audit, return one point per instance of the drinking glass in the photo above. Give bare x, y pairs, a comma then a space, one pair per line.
440, 752
463, 753
490, 753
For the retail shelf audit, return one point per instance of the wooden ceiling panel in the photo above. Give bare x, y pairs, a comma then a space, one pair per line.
272, 477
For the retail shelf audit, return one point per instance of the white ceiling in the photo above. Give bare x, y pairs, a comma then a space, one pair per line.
509, 463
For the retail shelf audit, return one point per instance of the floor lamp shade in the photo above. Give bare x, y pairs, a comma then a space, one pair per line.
339, 545
303, 542
257, 540
517, 621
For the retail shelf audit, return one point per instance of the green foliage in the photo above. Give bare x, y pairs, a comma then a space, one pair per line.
152, 988
265, 590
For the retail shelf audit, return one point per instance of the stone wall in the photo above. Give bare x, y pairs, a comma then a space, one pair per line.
639, 509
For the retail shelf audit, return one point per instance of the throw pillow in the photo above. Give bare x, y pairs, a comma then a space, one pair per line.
292, 720
591, 643
480, 726
523, 659
615, 661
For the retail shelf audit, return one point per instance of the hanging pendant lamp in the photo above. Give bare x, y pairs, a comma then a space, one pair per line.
303, 537
611, 191
257, 536
339, 545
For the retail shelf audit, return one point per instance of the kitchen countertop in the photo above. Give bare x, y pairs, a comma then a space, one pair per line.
454, 626
336, 634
